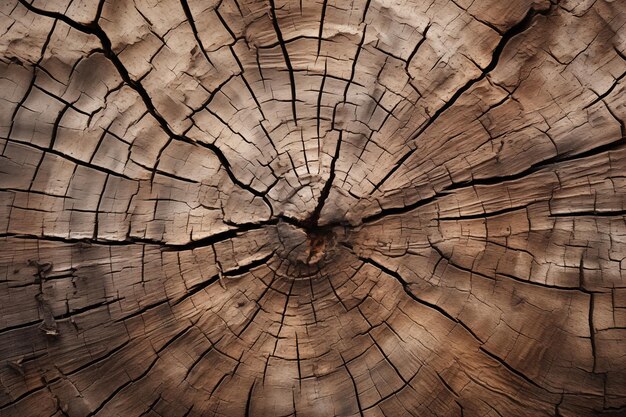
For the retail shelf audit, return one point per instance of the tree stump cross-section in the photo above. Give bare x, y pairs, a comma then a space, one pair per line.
280, 208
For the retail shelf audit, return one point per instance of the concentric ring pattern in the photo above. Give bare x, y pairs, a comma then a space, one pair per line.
312, 208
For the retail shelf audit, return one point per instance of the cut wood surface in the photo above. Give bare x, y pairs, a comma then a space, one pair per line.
312, 208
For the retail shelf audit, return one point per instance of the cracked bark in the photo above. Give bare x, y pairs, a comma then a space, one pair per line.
287, 208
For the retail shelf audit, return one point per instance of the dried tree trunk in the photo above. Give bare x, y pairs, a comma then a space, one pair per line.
312, 208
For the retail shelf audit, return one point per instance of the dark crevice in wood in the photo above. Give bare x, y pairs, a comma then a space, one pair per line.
513, 370
95, 30
192, 24
195, 244
592, 333
537, 167
321, 32
283, 47
354, 386
249, 400
417, 46
407, 290
515, 30
146, 174
312, 222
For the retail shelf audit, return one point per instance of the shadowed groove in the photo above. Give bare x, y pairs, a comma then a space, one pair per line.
428, 222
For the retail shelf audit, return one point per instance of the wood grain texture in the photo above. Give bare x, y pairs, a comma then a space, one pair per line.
312, 208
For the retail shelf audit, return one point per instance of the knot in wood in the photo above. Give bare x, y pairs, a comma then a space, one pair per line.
305, 249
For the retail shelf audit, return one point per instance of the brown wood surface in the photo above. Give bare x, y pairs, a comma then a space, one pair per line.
312, 208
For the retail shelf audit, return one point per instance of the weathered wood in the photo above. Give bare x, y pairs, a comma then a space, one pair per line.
331, 208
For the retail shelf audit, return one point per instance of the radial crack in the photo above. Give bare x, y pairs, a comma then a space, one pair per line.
518, 28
